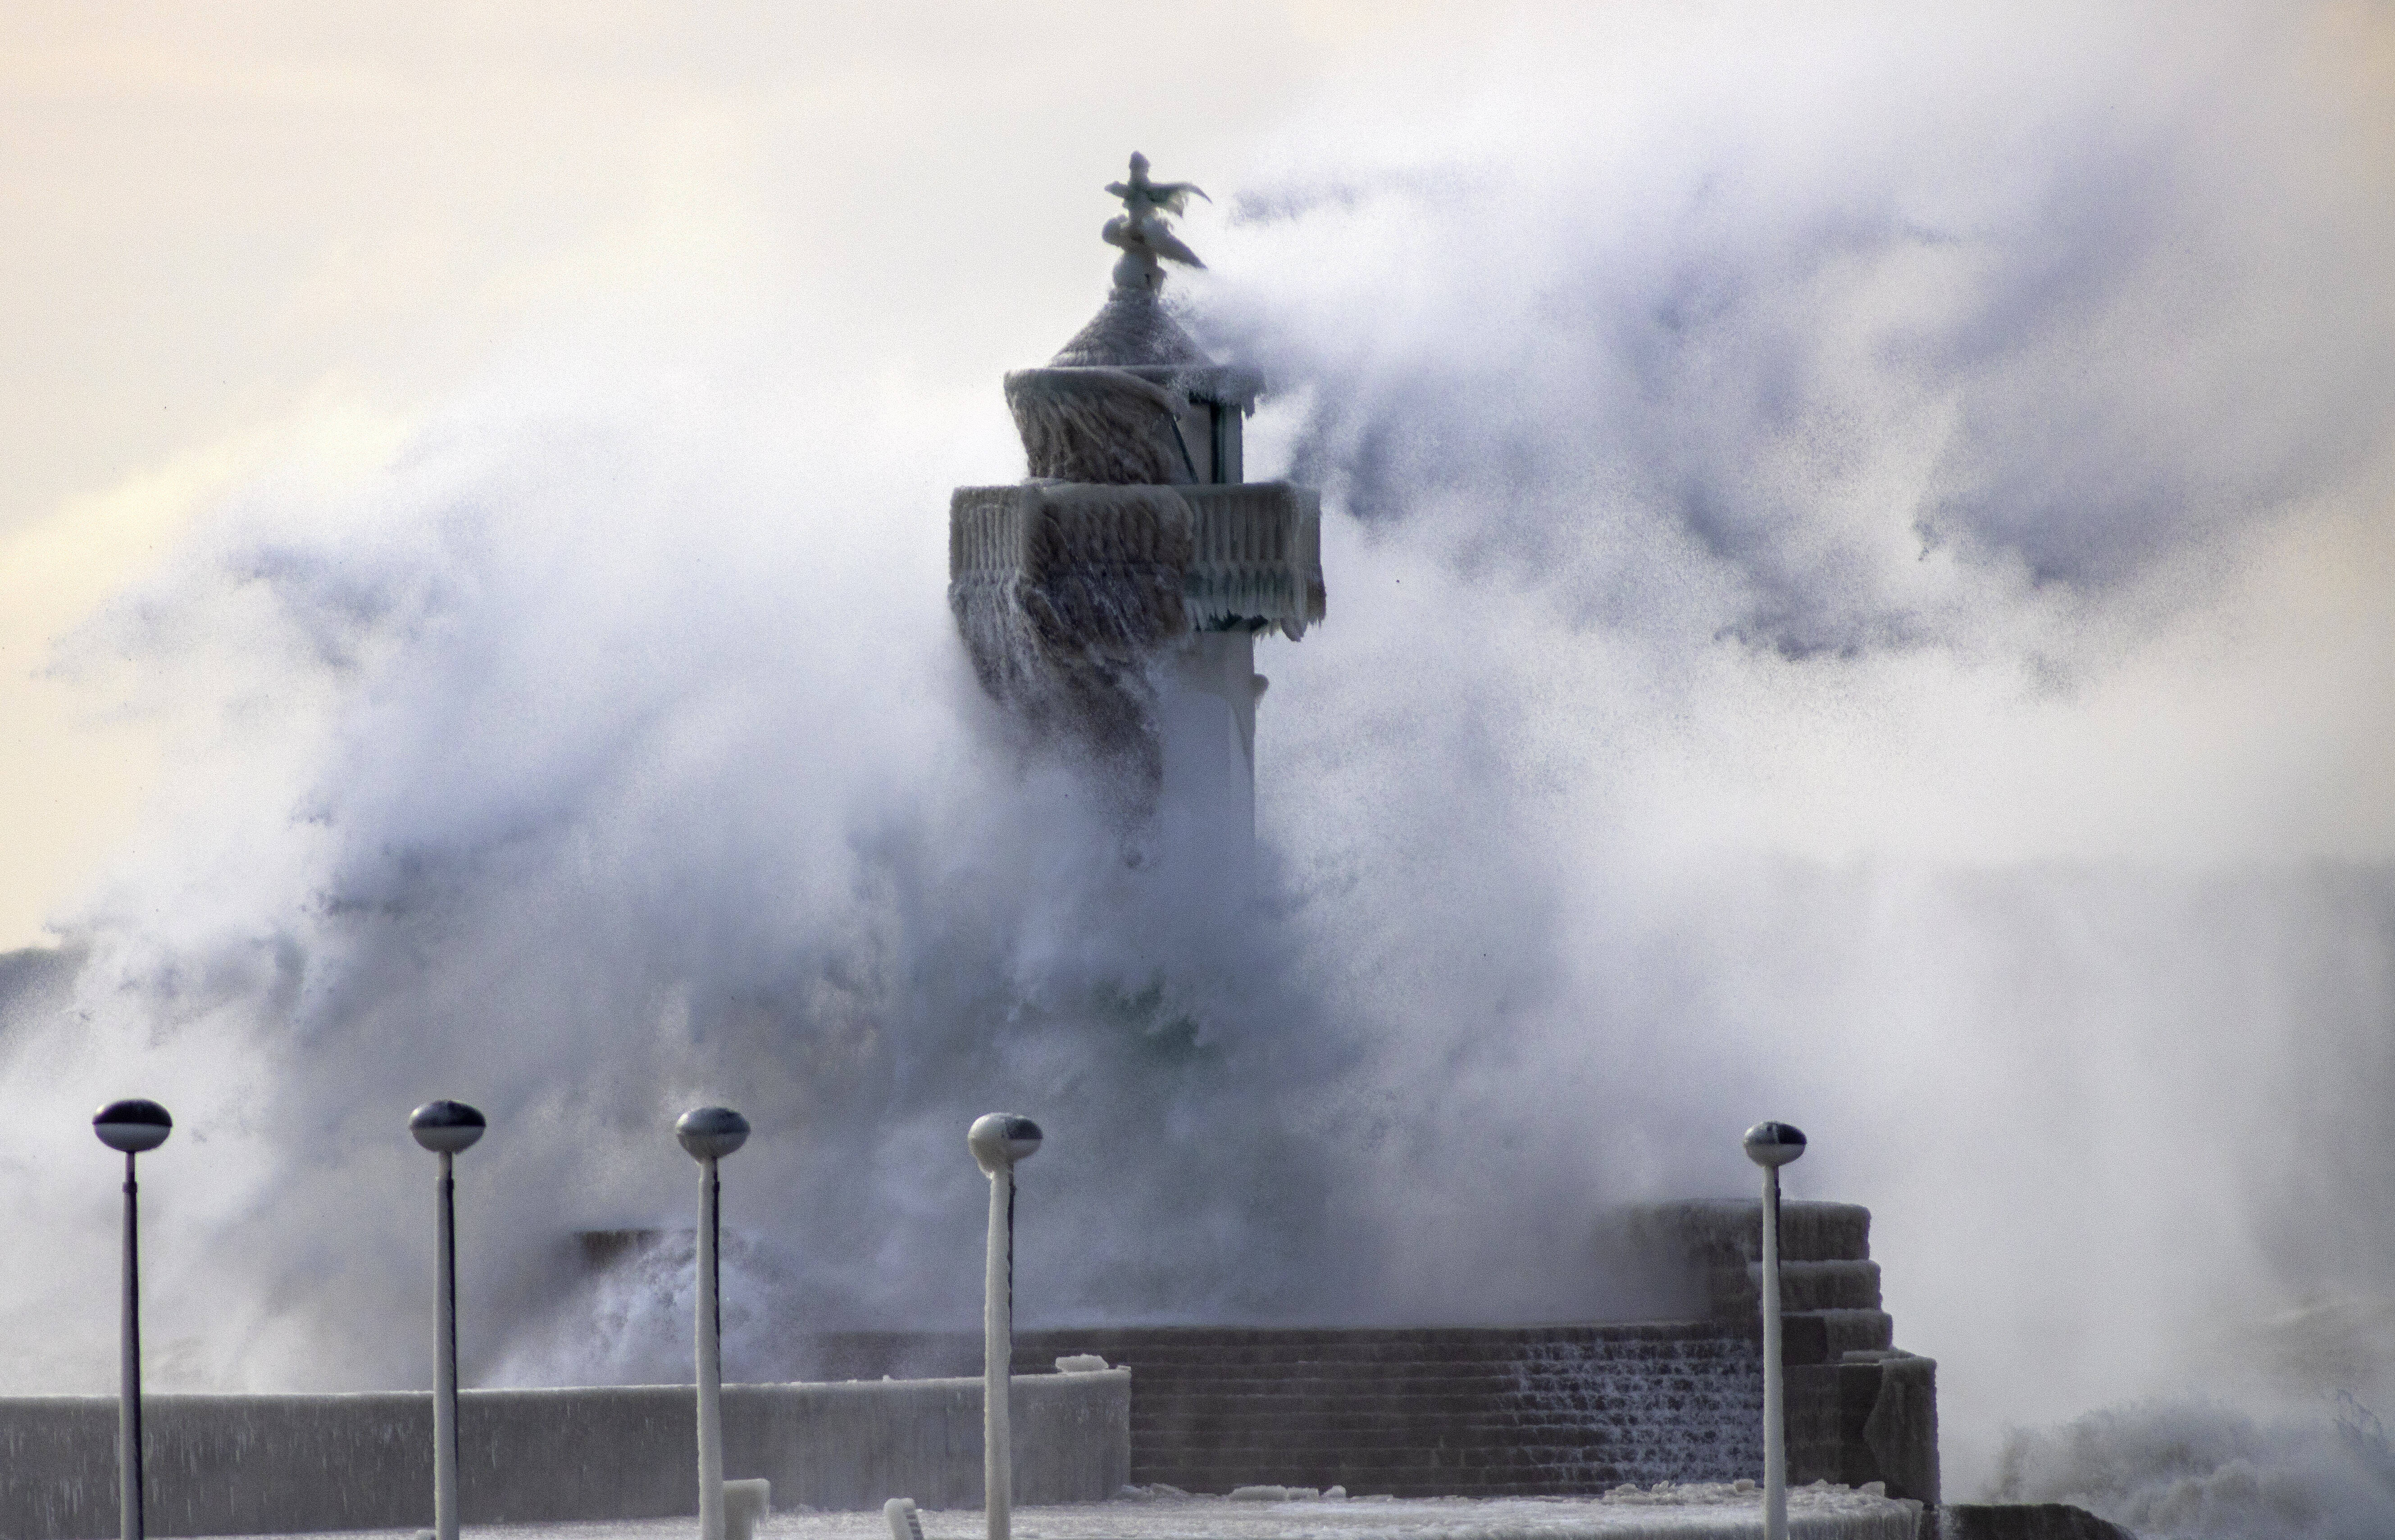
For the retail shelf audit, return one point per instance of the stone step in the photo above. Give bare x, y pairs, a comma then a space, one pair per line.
1486, 1465
1582, 1472
1303, 1381
1367, 1486
1507, 1389
1207, 1416
1837, 1285
1719, 1230
1428, 1373
1224, 1432
1319, 1469
1696, 1356
1426, 1483
1612, 1434
1286, 1410
1688, 1341
1274, 1344
1566, 1360
1730, 1346
1382, 1479
1216, 1425
1401, 1447
1199, 1425
1404, 1457
1471, 1373
1208, 1421
1497, 1384
1509, 1393
1350, 1335
1858, 1330
1580, 1444
1281, 1410
1192, 1418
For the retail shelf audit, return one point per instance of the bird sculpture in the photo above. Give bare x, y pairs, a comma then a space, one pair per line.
1142, 229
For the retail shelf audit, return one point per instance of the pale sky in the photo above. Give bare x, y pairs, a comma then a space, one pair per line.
247, 235
253, 239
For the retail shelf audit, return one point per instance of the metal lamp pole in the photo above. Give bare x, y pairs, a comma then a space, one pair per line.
709, 1134
998, 1141
1771, 1146
132, 1127
446, 1128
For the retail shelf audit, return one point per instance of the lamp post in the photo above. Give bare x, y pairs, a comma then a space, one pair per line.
998, 1141
445, 1129
1771, 1146
132, 1127
709, 1134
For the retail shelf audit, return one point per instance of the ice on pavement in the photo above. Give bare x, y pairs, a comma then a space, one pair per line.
1665, 1512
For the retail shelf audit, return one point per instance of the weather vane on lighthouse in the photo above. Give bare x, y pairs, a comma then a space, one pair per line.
1142, 230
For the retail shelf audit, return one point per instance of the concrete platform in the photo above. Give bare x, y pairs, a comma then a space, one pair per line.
1693, 1512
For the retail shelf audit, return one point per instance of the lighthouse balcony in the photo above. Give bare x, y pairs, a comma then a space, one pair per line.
1206, 558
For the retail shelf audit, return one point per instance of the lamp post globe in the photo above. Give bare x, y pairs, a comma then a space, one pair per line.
1000, 1139
447, 1127
1771, 1145
133, 1126
711, 1133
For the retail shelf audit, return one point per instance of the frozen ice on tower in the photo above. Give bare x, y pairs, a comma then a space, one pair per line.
1113, 599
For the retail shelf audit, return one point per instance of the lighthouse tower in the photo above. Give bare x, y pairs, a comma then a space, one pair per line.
1114, 598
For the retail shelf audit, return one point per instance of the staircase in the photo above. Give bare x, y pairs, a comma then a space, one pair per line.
1859, 1409
1515, 1410
1434, 1411
1828, 1282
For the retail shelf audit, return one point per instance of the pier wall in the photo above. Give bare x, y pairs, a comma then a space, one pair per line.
267, 1464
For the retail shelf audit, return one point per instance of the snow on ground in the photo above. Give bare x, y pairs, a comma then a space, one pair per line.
1690, 1512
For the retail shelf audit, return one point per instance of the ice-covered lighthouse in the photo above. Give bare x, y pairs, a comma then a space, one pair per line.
1114, 598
